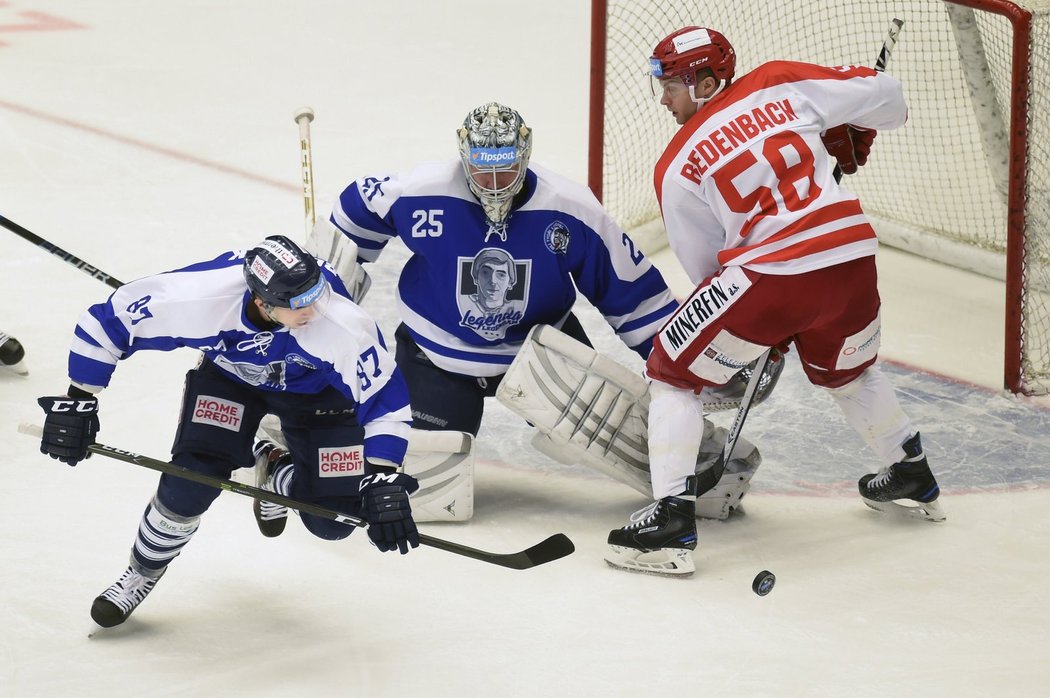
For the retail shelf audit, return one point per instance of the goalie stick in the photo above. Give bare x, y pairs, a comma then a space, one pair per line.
707, 479
553, 548
303, 117
60, 253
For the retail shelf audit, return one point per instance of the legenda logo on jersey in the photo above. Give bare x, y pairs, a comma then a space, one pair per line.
217, 412
725, 139
341, 462
556, 237
493, 292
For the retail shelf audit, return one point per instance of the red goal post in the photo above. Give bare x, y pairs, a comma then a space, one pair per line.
966, 182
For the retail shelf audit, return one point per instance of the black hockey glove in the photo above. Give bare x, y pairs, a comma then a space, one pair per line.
384, 500
70, 426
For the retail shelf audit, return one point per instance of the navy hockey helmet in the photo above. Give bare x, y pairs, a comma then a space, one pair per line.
283, 274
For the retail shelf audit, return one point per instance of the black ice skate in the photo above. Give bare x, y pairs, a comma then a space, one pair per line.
659, 539
114, 605
11, 354
270, 517
910, 479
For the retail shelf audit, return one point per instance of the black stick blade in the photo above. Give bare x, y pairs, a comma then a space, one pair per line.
553, 548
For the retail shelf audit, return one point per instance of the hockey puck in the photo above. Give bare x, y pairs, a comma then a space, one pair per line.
764, 582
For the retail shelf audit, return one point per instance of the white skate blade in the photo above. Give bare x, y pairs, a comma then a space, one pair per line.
669, 562
930, 511
20, 368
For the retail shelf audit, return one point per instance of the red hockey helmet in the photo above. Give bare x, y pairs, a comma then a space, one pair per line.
681, 54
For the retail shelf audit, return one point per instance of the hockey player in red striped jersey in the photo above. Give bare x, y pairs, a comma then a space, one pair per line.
780, 254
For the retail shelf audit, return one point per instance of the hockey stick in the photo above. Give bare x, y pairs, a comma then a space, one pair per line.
553, 548
303, 117
60, 253
880, 63
706, 480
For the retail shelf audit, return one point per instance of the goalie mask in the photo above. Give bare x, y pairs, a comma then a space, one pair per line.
681, 54
494, 145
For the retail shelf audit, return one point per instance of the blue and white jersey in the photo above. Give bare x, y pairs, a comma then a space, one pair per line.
468, 295
202, 306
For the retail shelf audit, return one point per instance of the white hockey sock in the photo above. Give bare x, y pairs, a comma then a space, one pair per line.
871, 408
676, 426
162, 535
282, 478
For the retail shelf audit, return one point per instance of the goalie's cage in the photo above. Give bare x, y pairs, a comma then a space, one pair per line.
965, 182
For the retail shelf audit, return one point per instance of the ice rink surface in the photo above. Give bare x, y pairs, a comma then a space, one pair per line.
145, 136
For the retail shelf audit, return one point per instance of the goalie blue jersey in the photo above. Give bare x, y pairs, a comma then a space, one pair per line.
202, 307
469, 295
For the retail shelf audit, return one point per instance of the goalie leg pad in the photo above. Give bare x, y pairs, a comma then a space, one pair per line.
724, 498
589, 409
443, 462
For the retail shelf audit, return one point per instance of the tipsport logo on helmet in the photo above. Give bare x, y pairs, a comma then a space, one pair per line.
309, 297
493, 157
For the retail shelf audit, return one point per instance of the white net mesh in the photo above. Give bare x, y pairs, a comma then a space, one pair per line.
937, 187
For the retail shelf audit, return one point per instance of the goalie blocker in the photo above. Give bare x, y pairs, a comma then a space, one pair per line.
328, 242
590, 409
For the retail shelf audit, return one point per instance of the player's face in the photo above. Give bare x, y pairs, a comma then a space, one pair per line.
674, 95
296, 318
494, 180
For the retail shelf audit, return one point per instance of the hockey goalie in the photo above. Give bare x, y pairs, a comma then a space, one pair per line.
589, 409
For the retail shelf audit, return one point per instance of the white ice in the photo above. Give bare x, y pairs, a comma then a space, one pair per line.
150, 135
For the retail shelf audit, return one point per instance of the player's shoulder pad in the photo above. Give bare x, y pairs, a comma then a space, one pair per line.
557, 192
440, 178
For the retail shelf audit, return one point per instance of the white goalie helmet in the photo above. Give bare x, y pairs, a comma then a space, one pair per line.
494, 145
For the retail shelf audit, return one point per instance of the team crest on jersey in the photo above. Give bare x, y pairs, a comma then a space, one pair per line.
300, 360
493, 292
556, 237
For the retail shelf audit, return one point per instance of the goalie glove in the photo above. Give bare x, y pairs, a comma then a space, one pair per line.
849, 145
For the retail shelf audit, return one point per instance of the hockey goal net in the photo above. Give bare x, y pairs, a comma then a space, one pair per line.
967, 180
